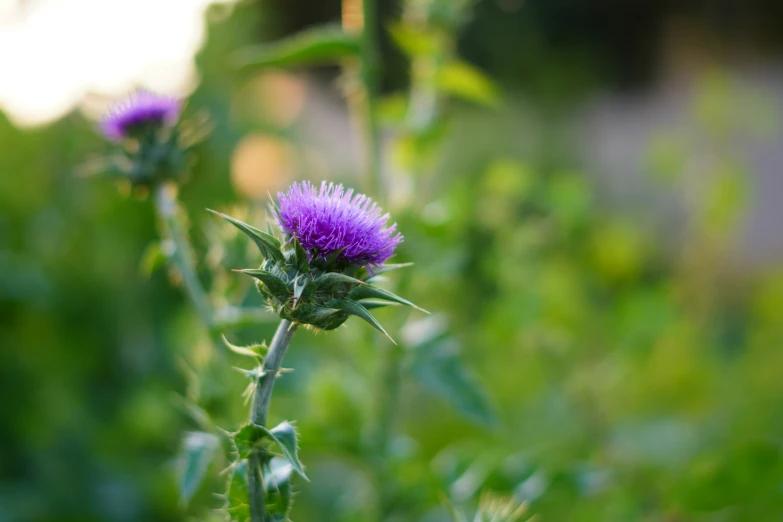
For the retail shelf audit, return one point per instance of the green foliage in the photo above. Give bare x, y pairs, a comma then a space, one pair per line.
585, 362
198, 451
320, 45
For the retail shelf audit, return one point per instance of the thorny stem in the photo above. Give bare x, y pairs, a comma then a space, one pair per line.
259, 412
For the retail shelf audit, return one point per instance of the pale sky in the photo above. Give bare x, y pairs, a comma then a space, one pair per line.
55, 52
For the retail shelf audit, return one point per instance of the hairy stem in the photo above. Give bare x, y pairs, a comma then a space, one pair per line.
260, 411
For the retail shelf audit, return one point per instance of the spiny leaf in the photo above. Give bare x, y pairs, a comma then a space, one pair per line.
250, 437
331, 279
300, 283
285, 436
276, 286
237, 492
267, 244
372, 305
302, 261
277, 479
257, 351
198, 450
328, 44
354, 308
374, 292
253, 437
378, 270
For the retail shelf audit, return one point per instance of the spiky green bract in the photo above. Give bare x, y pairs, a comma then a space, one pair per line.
313, 290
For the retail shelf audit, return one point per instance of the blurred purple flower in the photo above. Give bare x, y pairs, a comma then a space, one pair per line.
142, 109
331, 218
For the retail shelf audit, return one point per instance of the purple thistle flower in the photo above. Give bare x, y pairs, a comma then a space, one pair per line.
331, 218
142, 109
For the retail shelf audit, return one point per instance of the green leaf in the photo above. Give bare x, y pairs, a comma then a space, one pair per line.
277, 479
372, 305
354, 308
267, 244
374, 292
251, 438
237, 493
467, 82
366, 274
439, 369
331, 280
285, 436
257, 351
300, 283
414, 41
198, 451
274, 284
327, 44
302, 261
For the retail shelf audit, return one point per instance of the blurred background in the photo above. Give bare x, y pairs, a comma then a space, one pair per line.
591, 196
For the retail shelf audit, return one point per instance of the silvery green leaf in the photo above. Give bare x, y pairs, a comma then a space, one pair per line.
198, 450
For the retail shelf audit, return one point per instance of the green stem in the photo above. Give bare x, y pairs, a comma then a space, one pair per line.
272, 362
370, 76
181, 256
260, 411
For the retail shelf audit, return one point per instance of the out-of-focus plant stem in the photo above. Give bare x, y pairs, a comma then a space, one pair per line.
179, 252
360, 17
260, 411
370, 81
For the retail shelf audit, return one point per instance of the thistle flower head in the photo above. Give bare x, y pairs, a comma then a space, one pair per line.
330, 219
323, 270
144, 109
